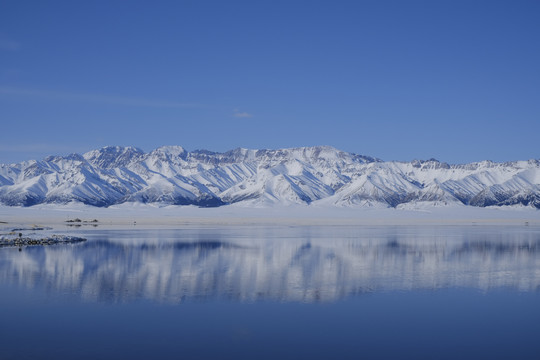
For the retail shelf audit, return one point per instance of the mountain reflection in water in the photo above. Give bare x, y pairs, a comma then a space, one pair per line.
298, 264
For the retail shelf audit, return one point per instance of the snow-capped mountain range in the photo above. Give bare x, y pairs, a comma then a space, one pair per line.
306, 175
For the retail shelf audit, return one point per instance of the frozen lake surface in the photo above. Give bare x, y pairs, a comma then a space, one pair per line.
269, 292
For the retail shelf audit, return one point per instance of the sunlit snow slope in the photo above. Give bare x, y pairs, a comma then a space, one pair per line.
308, 175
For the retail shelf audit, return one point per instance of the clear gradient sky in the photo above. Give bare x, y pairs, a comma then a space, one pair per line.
400, 80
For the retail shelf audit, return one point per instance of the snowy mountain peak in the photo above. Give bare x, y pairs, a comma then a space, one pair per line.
167, 153
110, 157
430, 164
173, 150
70, 157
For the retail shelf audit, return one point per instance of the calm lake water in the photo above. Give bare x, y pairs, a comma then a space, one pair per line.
249, 292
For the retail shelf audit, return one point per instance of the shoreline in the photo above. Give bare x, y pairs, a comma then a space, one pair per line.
143, 215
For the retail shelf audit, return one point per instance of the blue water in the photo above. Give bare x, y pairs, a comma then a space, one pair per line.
275, 293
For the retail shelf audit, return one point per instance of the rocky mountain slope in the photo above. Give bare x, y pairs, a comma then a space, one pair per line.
308, 175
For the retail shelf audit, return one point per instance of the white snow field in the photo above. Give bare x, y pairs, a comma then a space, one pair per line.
149, 215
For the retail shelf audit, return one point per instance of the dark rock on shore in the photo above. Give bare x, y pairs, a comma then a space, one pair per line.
51, 240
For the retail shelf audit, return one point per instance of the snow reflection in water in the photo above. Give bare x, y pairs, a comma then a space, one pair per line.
290, 264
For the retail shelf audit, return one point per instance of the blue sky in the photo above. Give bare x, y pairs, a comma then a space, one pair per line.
399, 80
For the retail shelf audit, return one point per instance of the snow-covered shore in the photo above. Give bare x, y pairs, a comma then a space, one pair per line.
130, 214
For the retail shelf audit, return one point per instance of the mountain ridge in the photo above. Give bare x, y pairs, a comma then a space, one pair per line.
301, 175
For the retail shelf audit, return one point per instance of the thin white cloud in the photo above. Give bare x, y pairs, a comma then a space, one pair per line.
10, 72
14, 153
35, 148
242, 114
95, 98
9, 45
